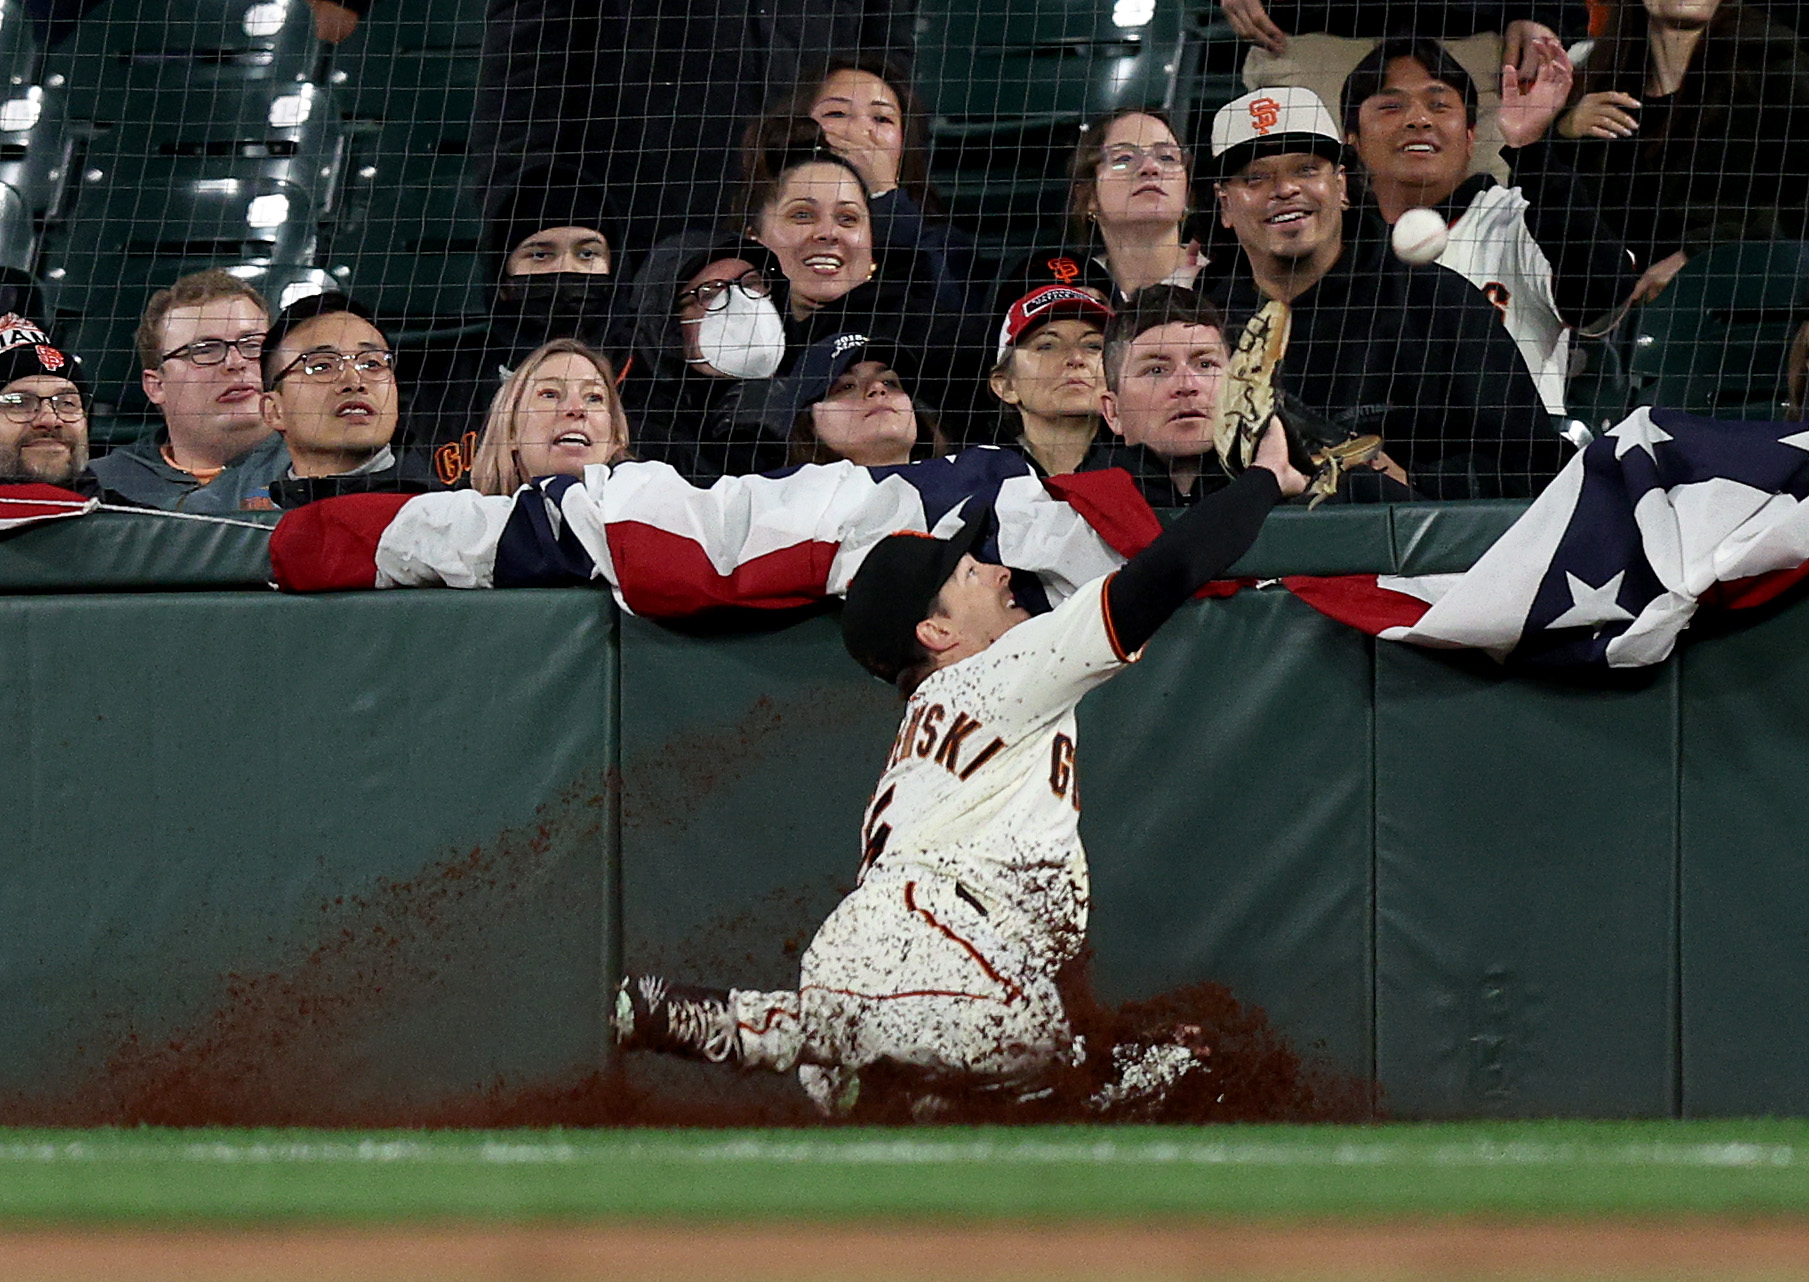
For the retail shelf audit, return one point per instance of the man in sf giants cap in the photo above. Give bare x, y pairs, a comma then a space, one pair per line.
941, 965
1414, 355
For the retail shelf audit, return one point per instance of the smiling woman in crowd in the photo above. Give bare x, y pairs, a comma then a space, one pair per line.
557, 414
870, 117
812, 214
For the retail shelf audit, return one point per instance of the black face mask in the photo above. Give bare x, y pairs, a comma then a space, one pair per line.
531, 310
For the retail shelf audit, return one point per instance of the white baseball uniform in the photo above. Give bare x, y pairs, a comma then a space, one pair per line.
973, 889
1491, 246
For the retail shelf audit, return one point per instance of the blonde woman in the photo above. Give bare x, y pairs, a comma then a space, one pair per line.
557, 414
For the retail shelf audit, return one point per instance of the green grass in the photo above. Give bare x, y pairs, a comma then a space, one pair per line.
1758, 1168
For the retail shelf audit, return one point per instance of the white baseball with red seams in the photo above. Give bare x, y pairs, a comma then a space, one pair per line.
1419, 237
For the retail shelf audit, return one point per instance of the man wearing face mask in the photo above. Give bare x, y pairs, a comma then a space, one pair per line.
708, 316
559, 260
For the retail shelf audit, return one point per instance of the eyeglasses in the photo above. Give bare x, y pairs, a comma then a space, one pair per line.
1122, 158
212, 351
22, 407
325, 366
713, 295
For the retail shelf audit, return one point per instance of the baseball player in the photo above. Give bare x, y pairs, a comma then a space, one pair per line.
973, 890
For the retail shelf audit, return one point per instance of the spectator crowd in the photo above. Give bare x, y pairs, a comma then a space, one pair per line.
831, 310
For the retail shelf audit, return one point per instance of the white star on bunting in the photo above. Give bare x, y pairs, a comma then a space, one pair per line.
1591, 605
1637, 432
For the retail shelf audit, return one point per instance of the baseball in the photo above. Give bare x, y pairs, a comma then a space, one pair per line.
1419, 237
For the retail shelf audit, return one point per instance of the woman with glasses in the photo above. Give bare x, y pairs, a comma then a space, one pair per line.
1129, 198
556, 415
330, 391
708, 314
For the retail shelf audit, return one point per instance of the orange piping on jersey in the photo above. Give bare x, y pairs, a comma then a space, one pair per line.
1012, 991
1105, 609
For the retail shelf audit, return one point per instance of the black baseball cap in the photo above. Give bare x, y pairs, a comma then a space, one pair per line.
894, 589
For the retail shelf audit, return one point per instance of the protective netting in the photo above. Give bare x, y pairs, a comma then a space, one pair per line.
402, 159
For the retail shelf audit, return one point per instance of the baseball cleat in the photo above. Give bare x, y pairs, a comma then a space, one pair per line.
653, 1014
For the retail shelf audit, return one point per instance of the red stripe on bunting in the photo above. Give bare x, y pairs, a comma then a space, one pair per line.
1741, 594
331, 546
1109, 501
30, 503
662, 575
1357, 600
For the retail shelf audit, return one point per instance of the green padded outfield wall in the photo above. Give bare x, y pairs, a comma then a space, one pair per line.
352, 858
286, 860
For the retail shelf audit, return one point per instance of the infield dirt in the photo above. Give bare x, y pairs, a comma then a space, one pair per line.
1620, 1251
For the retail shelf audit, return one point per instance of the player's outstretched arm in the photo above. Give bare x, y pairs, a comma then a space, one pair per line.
1200, 546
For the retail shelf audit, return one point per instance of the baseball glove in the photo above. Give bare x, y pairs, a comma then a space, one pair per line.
1249, 399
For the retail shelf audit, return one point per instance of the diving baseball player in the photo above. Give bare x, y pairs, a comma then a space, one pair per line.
973, 888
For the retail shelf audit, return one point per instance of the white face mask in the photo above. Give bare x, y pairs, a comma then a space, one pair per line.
744, 338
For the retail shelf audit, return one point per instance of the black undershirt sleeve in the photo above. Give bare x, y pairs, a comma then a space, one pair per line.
1189, 554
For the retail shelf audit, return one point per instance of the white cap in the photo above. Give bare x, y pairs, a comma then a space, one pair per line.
1270, 122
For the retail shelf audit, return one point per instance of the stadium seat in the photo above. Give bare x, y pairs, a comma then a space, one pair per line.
289, 134
123, 241
1598, 391
1715, 341
129, 60
1007, 84
411, 234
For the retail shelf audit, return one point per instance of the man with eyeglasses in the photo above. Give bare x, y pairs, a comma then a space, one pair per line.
43, 415
330, 393
199, 342
1415, 355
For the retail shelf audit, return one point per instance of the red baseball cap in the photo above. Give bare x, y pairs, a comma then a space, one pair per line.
1044, 304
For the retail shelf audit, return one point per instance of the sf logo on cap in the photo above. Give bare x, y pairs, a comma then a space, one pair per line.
50, 357
1265, 114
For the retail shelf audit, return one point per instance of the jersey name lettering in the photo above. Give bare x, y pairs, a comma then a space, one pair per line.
922, 735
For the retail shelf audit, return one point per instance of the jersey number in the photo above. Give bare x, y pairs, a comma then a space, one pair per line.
1062, 780
873, 841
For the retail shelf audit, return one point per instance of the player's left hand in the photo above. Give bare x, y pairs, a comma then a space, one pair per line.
1658, 276
333, 22
1529, 105
1272, 455
1520, 47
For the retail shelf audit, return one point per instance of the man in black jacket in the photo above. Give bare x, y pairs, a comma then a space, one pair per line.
1537, 250
1414, 355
